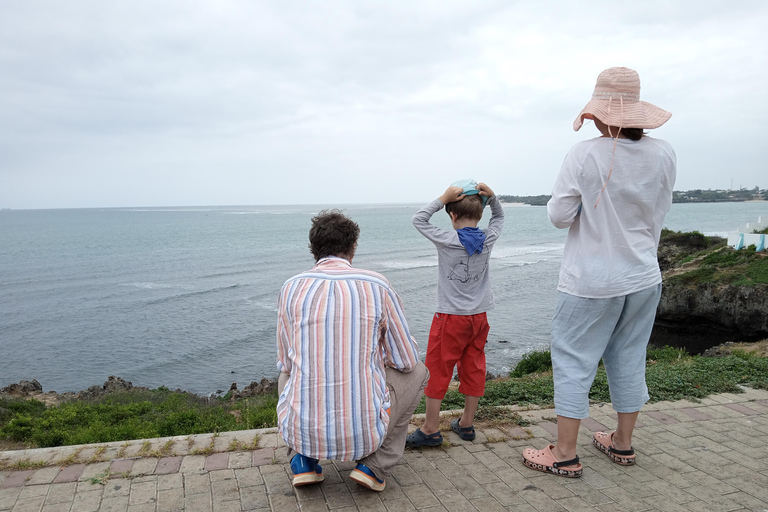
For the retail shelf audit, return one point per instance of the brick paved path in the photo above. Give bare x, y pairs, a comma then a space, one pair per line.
709, 456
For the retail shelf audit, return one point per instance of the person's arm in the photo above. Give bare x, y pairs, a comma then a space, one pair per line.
565, 204
284, 363
399, 349
496, 223
421, 218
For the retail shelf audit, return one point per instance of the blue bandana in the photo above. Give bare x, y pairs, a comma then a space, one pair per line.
472, 239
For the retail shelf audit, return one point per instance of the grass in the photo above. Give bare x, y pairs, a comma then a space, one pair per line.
134, 414
715, 262
671, 374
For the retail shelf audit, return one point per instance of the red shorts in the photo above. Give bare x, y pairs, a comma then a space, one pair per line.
456, 340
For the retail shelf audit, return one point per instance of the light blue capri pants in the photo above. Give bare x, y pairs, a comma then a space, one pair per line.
615, 329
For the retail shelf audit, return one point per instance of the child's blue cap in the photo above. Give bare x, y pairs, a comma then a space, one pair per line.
469, 186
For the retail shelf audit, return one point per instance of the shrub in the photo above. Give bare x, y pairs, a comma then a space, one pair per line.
534, 362
665, 354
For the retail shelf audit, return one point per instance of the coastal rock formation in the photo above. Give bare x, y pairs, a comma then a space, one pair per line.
264, 387
705, 315
23, 388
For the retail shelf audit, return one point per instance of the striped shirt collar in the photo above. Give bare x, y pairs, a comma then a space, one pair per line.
333, 261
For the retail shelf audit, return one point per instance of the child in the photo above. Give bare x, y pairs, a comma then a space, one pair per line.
460, 327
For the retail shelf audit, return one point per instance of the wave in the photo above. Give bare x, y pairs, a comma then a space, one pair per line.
148, 286
524, 263
191, 294
406, 264
230, 273
509, 252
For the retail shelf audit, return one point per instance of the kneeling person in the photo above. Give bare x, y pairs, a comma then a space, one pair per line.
350, 372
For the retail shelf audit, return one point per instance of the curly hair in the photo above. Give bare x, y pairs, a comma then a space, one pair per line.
332, 234
470, 207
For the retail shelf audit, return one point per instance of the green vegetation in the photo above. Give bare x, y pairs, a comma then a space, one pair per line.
727, 266
671, 374
761, 232
716, 196
534, 362
134, 414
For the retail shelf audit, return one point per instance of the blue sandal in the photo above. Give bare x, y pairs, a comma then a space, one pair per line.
466, 433
419, 438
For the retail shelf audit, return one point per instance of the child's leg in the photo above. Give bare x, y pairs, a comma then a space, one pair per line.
431, 423
442, 353
470, 408
471, 367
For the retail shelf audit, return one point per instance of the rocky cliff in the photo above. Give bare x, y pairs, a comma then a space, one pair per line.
702, 316
711, 293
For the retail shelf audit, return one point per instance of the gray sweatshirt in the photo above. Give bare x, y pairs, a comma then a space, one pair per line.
464, 281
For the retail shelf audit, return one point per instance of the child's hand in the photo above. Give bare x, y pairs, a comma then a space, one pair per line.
452, 194
484, 190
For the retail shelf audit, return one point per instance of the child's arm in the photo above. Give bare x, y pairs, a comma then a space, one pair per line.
496, 223
421, 219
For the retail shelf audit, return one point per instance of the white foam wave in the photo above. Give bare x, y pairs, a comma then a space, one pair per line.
508, 252
524, 263
407, 264
149, 286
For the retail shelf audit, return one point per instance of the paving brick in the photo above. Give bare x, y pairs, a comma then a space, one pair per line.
8, 497
216, 461
168, 465
143, 467
121, 465
87, 501
192, 463
696, 413
43, 476
254, 497
239, 460
661, 417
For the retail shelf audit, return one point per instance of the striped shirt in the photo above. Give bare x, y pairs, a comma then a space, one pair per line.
337, 329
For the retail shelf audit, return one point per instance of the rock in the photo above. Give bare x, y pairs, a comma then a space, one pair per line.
116, 384
23, 388
705, 315
264, 387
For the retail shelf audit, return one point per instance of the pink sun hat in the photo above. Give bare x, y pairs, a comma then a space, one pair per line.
616, 102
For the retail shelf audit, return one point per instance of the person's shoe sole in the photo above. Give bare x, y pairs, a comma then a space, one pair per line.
310, 477
367, 481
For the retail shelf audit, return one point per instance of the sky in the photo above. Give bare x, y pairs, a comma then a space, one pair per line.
180, 103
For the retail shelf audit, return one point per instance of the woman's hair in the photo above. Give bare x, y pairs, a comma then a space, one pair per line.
470, 207
332, 234
633, 133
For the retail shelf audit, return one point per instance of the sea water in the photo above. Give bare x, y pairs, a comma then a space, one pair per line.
185, 297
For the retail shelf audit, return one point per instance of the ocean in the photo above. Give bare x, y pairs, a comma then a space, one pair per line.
185, 297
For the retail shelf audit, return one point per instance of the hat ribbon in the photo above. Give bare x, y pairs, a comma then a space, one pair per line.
615, 140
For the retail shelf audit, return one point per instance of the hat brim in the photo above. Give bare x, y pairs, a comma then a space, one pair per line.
636, 114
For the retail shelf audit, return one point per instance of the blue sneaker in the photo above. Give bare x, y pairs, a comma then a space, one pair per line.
305, 470
363, 475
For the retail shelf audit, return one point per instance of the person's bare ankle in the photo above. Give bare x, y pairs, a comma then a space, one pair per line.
621, 443
562, 456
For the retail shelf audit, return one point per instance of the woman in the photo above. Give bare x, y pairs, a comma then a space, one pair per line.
612, 194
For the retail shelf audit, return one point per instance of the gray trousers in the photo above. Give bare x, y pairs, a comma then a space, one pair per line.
405, 392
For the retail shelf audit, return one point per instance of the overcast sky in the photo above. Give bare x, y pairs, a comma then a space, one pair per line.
171, 103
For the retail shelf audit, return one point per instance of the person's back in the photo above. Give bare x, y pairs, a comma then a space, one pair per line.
338, 388
612, 244
350, 376
464, 282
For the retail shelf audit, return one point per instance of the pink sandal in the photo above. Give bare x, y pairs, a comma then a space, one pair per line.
544, 460
603, 441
